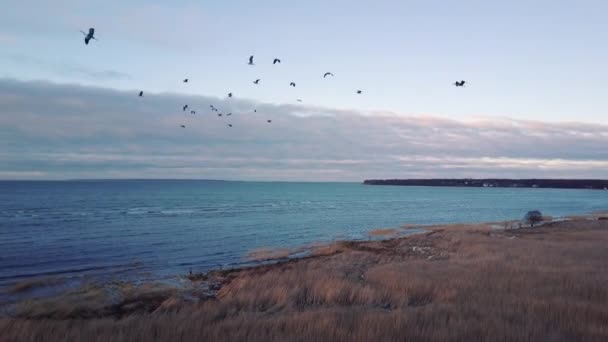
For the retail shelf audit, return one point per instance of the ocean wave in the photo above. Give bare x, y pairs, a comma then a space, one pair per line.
177, 211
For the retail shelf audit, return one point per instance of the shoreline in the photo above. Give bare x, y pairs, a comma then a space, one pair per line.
268, 258
439, 271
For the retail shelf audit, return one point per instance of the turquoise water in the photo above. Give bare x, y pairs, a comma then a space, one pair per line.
155, 229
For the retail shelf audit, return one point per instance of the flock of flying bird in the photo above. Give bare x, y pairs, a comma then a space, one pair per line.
91, 35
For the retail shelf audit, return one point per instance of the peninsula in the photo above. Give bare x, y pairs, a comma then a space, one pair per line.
497, 183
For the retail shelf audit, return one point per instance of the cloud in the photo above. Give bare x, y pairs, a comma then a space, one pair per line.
7, 38
52, 131
65, 69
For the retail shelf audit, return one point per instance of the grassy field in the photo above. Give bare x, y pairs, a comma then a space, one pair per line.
457, 283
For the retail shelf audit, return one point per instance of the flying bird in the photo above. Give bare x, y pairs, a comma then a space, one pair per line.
183, 126
229, 125
255, 110
251, 60
276, 60
229, 94
459, 84
228, 114
327, 74
299, 100
359, 91
89, 36
292, 84
141, 93
257, 81
192, 112
185, 107
269, 121
219, 114
185, 80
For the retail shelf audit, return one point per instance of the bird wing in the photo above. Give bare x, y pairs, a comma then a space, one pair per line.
91, 31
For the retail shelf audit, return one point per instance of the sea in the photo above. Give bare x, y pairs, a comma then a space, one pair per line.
160, 229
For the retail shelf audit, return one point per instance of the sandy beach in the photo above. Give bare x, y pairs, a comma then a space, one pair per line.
462, 282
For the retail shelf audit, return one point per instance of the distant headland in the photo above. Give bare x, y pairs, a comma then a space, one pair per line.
497, 183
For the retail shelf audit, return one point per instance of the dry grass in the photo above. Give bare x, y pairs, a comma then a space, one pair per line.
264, 254
383, 232
92, 301
469, 284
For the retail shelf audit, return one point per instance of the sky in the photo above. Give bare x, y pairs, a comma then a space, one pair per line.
534, 104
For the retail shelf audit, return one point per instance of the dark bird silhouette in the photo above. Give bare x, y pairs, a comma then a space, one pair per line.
185, 107
459, 84
359, 91
182, 126
219, 114
269, 121
292, 84
276, 60
192, 112
228, 114
327, 74
214, 109
229, 94
185, 80
89, 36
141, 93
255, 110
257, 81
299, 100
229, 125
251, 60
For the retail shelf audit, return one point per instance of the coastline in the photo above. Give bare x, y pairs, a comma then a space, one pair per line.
589, 184
413, 281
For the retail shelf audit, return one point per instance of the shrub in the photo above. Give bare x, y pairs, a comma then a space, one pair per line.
533, 217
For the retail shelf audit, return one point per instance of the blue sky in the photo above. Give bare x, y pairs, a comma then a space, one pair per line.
533, 63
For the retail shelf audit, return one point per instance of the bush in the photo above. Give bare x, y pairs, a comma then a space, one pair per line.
533, 217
